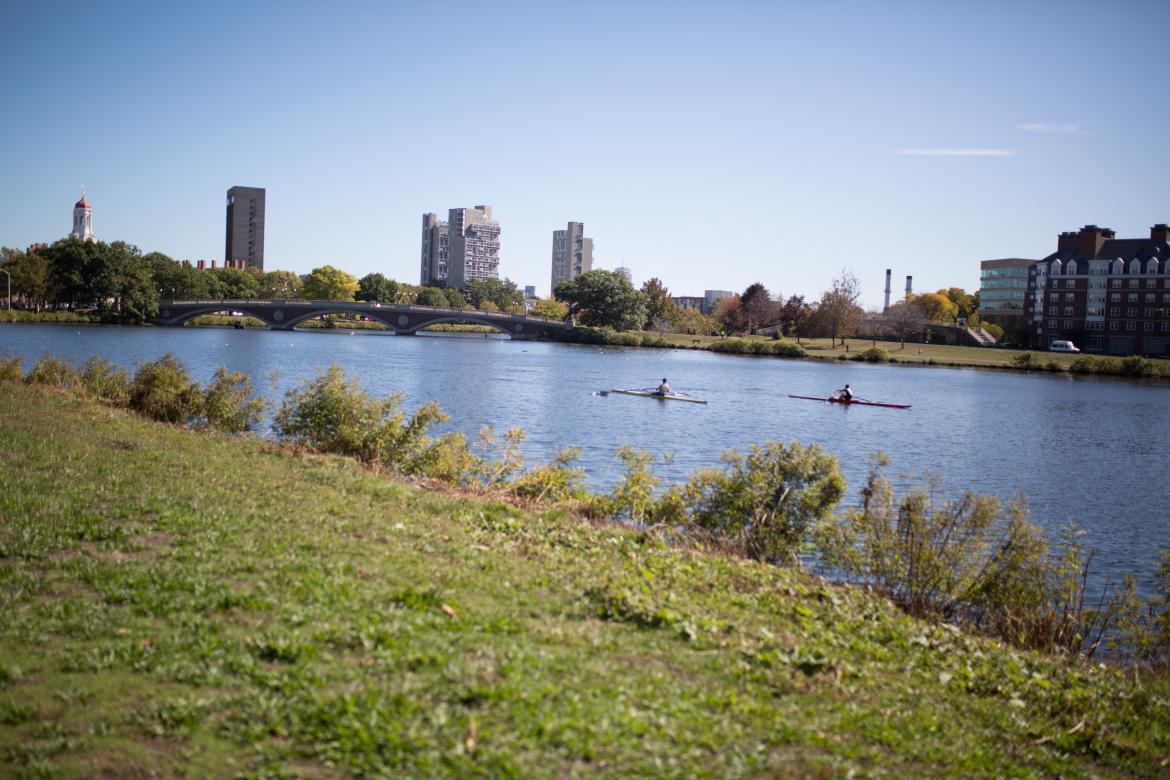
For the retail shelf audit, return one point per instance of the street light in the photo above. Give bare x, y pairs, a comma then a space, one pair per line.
9, 296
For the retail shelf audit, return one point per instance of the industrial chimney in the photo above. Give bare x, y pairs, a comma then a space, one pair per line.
886, 308
909, 286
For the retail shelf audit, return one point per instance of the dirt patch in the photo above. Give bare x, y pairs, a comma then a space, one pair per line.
150, 542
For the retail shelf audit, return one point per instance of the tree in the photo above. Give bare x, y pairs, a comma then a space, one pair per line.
758, 310
728, 314
838, 311
694, 322
938, 307
906, 318
232, 283
659, 306
603, 298
455, 299
795, 315
281, 285
377, 288
550, 307
431, 296
965, 304
503, 293
329, 284
30, 276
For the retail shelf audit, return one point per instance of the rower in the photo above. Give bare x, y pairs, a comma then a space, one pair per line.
845, 394
662, 389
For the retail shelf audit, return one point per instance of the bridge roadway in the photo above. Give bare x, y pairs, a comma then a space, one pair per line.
403, 319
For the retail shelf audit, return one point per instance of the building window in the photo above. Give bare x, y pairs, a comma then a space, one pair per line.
1068, 324
1135, 282
1114, 282
1166, 327
1148, 327
1070, 282
1150, 297
1052, 309
1130, 311
1152, 282
1131, 326
1070, 296
1131, 298
1068, 311
1113, 325
1052, 324
1115, 297
1054, 296
1114, 311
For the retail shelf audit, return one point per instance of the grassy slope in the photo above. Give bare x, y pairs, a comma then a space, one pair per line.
189, 604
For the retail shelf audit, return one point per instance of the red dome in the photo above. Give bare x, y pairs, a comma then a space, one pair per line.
81, 204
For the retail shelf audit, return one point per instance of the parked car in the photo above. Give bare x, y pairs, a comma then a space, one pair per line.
1063, 346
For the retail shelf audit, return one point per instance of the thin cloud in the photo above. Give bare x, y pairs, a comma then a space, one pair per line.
956, 152
1065, 128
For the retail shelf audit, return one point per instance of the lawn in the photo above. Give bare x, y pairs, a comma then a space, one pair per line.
187, 604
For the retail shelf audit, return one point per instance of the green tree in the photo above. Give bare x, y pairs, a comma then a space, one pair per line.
455, 299
795, 315
603, 299
757, 308
550, 307
659, 306
378, 288
280, 285
30, 276
965, 304
329, 284
431, 296
502, 292
232, 283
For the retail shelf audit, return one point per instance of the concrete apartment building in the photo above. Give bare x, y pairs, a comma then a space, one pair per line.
245, 227
465, 247
572, 253
1105, 294
1003, 288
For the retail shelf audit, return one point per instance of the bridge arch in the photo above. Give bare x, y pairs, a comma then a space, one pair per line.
186, 315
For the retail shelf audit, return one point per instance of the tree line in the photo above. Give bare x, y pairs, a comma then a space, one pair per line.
119, 282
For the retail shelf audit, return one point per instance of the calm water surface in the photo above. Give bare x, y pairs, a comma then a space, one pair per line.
1084, 450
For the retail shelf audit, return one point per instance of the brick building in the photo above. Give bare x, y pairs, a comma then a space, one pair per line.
1108, 295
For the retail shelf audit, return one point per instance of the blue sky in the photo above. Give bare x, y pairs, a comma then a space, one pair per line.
710, 144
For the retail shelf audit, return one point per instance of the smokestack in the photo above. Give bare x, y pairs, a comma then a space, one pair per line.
909, 286
886, 308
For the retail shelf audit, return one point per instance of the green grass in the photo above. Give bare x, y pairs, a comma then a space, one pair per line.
192, 604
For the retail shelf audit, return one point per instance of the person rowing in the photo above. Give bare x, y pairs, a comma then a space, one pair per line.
663, 389
845, 395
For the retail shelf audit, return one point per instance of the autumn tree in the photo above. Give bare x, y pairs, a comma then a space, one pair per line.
905, 319
550, 307
728, 314
937, 306
838, 311
794, 316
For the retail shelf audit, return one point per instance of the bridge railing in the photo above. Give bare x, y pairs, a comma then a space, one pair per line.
359, 305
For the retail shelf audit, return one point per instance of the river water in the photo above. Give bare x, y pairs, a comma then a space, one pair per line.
1084, 450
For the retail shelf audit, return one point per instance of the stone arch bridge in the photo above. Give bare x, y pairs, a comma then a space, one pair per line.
403, 319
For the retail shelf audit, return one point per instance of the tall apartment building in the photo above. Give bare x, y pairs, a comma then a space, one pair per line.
472, 247
572, 253
1003, 288
1104, 293
435, 250
245, 226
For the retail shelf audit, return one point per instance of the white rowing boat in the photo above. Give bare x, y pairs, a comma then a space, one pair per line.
659, 396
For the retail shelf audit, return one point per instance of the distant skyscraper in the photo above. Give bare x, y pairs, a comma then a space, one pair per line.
82, 220
572, 253
435, 250
624, 271
472, 247
245, 226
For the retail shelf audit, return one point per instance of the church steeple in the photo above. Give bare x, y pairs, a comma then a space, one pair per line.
83, 219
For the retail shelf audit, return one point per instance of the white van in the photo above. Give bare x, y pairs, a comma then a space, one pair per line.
1063, 346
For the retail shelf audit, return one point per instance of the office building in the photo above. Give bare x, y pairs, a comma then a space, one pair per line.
711, 297
434, 251
572, 253
1003, 287
245, 226
83, 220
1105, 294
624, 271
465, 247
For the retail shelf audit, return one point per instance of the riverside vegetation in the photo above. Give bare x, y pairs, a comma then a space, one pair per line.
216, 604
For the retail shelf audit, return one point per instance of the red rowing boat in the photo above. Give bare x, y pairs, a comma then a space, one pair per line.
851, 403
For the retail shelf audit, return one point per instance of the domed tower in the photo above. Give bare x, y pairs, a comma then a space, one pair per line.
83, 219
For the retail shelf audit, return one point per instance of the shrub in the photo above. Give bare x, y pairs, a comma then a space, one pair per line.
104, 381
163, 391
1026, 361
766, 501
632, 498
10, 369
556, 481
502, 456
1053, 367
332, 413
228, 404
53, 372
759, 347
788, 349
874, 355
731, 346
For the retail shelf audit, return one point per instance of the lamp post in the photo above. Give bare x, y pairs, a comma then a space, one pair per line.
8, 298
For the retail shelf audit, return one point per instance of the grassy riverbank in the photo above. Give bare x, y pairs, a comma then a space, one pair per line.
188, 603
